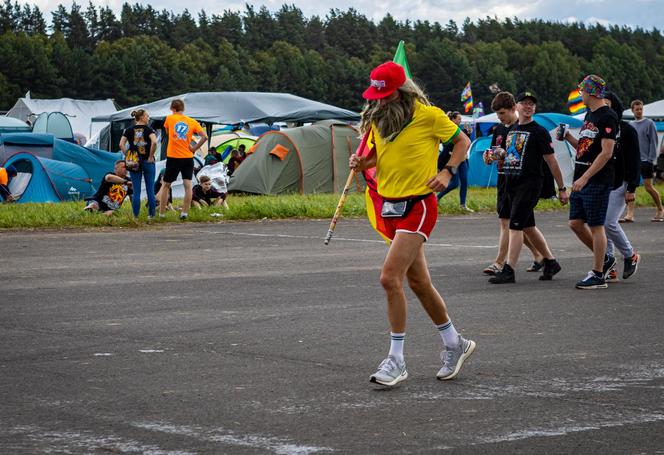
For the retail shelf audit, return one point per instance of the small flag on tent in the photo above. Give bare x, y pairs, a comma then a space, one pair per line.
575, 103
400, 58
467, 98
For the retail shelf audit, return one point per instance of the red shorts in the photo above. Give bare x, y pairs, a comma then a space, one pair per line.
420, 220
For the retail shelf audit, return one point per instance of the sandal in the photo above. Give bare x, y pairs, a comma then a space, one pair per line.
657, 219
492, 269
625, 220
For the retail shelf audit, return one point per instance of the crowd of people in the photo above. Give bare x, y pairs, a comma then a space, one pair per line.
611, 157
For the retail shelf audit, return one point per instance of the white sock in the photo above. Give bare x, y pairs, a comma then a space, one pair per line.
184, 214
448, 333
396, 345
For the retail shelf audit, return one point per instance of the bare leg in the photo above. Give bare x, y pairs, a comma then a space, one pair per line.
599, 247
533, 239
583, 232
404, 249
186, 203
503, 241
163, 196
629, 214
654, 194
419, 281
514, 250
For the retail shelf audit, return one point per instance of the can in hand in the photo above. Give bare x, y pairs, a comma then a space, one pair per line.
562, 131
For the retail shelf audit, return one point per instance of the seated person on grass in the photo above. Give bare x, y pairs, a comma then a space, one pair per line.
203, 194
113, 189
157, 189
6, 176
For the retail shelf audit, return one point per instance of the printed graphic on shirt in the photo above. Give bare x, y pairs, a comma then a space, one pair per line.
140, 141
181, 129
515, 148
587, 136
116, 194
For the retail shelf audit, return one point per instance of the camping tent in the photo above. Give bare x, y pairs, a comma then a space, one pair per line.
44, 180
230, 108
78, 112
12, 125
46, 160
306, 159
482, 175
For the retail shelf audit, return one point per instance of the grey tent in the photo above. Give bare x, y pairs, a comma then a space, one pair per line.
231, 108
308, 159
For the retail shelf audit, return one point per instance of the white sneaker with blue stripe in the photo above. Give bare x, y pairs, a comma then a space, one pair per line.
390, 372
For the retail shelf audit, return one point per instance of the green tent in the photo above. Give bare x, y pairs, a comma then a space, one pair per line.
308, 159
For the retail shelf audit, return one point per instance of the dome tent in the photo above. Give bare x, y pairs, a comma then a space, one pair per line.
307, 159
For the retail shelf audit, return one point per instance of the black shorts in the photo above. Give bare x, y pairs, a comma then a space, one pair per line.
522, 199
647, 170
503, 206
175, 166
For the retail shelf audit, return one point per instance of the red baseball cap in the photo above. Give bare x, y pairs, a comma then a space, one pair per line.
385, 80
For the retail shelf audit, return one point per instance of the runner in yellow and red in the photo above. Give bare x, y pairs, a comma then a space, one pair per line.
403, 132
180, 154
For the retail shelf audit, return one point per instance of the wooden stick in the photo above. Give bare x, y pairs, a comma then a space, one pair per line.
342, 201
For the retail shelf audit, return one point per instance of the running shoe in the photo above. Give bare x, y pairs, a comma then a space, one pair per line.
453, 358
551, 267
535, 266
492, 269
506, 275
609, 263
612, 276
592, 281
390, 372
184, 217
631, 264
466, 209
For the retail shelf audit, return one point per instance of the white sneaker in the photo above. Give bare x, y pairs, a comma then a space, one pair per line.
454, 358
390, 372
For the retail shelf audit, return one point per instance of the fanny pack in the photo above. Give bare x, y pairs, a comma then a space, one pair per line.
399, 208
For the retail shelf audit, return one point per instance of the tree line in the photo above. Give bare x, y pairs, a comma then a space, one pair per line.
143, 54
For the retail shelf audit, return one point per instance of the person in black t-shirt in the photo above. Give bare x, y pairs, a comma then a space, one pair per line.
593, 177
138, 143
113, 189
504, 106
527, 146
204, 194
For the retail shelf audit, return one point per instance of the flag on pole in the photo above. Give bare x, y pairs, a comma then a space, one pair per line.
400, 58
467, 98
575, 102
478, 111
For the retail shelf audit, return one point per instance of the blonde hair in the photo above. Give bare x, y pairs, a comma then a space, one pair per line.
391, 118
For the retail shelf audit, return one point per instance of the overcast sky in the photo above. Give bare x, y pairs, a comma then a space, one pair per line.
633, 13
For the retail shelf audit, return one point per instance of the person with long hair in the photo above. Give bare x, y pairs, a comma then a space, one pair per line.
138, 143
403, 131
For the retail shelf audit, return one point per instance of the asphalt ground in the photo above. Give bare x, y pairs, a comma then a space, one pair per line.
249, 338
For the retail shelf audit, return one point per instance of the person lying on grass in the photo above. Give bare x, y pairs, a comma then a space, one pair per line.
113, 189
205, 195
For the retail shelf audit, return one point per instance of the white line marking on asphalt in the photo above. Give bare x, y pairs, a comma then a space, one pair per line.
277, 445
149, 351
344, 239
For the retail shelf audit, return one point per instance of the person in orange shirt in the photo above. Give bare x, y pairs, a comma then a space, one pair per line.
180, 154
6, 175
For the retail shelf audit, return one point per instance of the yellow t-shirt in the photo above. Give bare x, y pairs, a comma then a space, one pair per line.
406, 163
180, 129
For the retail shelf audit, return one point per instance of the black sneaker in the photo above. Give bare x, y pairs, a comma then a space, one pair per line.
506, 275
631, 264
551, 267
609, 263
592, 281
535, 266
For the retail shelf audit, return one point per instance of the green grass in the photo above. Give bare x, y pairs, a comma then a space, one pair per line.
66, 215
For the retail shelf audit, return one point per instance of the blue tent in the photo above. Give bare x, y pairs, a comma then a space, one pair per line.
51, 169
45, 180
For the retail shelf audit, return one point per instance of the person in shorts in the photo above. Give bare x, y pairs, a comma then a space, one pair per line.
593, 177
403, 131
180, 151
647, 134
527, 147
113, 189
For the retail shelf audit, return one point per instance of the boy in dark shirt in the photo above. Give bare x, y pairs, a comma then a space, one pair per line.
593, 177
204, 193
527, 146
